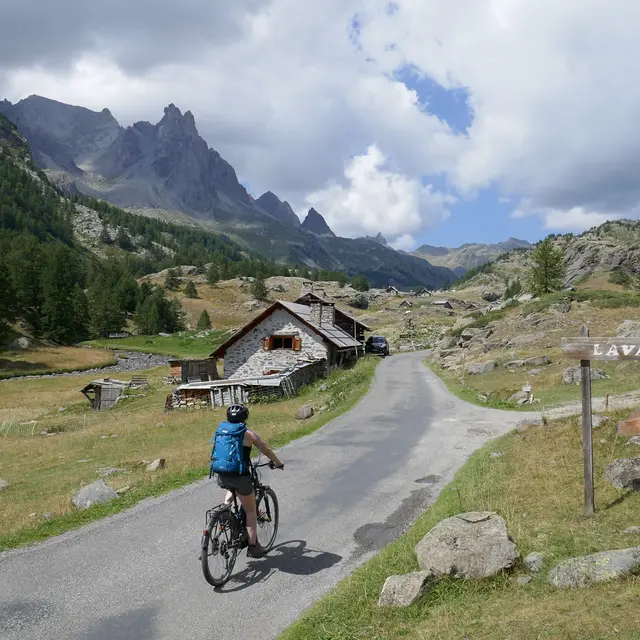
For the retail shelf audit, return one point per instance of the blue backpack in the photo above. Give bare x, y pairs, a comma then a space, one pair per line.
226, 455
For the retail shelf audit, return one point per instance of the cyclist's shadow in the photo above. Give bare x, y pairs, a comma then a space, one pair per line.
289, 557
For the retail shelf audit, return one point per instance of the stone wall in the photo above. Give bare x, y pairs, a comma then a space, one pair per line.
248, 358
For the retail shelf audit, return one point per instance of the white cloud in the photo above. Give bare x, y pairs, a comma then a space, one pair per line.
376, 199
574, 219
287, 97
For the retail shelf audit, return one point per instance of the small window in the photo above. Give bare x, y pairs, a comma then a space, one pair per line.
293, 343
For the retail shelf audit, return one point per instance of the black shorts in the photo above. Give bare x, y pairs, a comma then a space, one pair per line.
242, 484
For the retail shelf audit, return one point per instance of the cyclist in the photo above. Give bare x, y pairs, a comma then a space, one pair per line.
242, 483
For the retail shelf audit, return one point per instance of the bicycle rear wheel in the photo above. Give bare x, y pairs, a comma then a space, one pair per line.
268, 517
219, 548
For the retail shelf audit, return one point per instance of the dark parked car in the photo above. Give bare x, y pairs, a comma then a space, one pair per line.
377, 344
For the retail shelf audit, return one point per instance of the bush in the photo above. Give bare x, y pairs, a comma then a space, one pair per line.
360, 283
360, 302
204, 321
190, 290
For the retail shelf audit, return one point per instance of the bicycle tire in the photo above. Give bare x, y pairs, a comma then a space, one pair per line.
275, 516
225, 518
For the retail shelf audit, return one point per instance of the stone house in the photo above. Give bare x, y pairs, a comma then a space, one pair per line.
284, 336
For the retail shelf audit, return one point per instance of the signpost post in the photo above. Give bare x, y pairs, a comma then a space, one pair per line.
586, 349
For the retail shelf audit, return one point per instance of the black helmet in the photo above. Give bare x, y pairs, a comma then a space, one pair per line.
237, 413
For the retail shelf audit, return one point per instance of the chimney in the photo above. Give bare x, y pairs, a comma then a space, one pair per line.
328, 314
315, 313
307, 287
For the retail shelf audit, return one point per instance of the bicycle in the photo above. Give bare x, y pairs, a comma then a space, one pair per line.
225, 533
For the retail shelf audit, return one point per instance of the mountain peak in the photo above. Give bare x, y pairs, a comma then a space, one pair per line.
282, 211
315, 223
379, 238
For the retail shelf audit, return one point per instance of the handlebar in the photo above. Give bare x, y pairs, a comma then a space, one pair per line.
269, 464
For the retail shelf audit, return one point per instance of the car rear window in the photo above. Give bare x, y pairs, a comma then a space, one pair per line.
378, 341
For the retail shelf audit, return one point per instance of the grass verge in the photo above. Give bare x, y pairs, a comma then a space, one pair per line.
45, 470
178, 345
537, 487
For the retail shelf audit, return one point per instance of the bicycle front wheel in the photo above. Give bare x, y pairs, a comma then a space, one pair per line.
267, 516
219, 549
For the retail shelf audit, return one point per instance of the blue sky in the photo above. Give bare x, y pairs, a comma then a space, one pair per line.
483, 219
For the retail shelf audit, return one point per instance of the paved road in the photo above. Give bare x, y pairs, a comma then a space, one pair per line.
347, 490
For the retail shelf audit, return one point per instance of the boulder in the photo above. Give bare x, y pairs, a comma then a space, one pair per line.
573, 375
304, 413
404, 590
526, 340
490, 296
492, 346
20, 344
527, 423
158, 463
481, 367
632, 530
537, 361
514, 364
4, 484
628, 329
516, 398
630, 427
563, 306
534, 372
598, 567
468, 545
95, 493
534, 562
470, 332
108, 471
623, 473
634, 440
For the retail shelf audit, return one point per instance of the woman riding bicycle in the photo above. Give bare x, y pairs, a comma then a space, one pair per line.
241, 482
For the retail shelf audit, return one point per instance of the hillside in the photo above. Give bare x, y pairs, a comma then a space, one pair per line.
467, 256
604, 257
167, 171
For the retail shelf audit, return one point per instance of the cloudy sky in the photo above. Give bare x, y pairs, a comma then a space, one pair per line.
431, 121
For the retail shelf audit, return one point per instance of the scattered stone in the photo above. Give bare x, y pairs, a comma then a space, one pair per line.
323, 409
159, 425
404, 590
632, 530
534, 562
468, 545
562, 307
158, 463
634, 440
490, 296
623, 473
492, 346
123, 490
103, 472
514, 364
483, 398
573, 375
630, 427
322, 388
470, 332
522, 580
527, 423
497, 454
629, 329
61, 409
534, 372
599, 567
84, 460
537, 361
304, 413
4, 484
164, 335
481, 367
526, 340
49, 515
519, 397
598, 420
97, 492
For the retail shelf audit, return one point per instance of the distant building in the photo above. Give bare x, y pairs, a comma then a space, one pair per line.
442, 304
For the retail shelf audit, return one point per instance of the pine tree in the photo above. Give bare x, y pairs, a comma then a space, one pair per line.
360, 283
259, 289
171, 281
204, 321
190, 290
104, 237
548, 268
123, 240
342, 279
513, 289
213, 275
9, 306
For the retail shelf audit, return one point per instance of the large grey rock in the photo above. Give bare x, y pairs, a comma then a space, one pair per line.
481, 367
519, 396
468, 545
526, 339
534, 562
490, 296
629, 329
304, 413
537, 361
20, 344
95, 493
4, 484
404, 590
573, 375
470, 332
623, 473
634, 440
599, 567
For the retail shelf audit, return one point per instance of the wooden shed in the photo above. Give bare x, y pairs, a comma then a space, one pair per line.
104, 394
194, 370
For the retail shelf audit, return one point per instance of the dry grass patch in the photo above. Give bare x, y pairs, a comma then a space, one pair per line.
537, 487
44, 471
52, 359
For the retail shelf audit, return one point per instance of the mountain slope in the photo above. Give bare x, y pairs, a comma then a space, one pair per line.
167, 170
315, 223
468, 255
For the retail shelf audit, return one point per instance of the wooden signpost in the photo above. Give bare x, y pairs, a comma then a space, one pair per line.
586, 349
